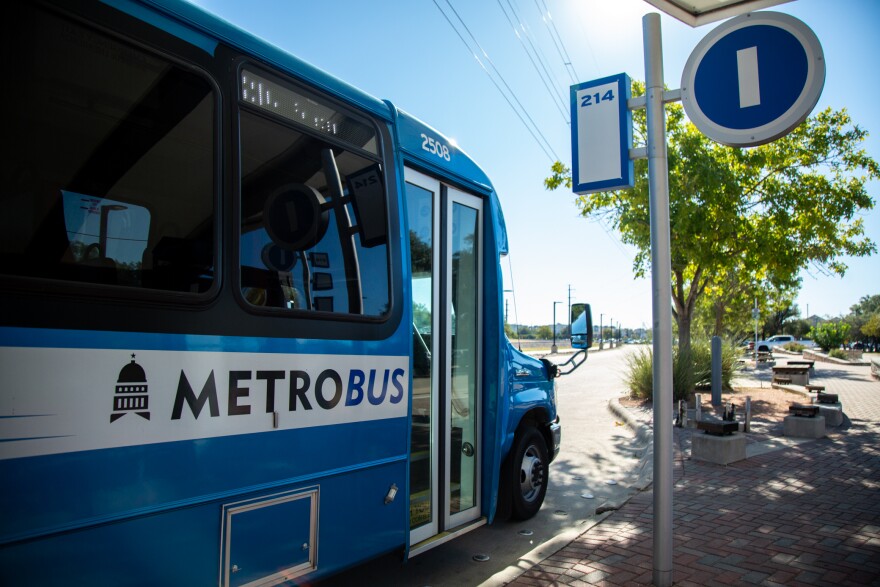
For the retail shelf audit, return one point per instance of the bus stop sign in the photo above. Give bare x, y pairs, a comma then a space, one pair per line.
601, 135
753, 79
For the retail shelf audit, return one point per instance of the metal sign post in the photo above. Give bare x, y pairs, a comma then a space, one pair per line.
661, 286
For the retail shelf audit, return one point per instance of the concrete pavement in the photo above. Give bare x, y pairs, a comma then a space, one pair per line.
808, 514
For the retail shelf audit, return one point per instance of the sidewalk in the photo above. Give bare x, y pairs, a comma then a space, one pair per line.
805, 515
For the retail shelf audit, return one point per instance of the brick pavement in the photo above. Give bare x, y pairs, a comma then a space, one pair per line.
806, 515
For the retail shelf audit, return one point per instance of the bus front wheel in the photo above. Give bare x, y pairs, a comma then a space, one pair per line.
529, 482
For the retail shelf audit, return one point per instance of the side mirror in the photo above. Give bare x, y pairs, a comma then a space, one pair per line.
581, 326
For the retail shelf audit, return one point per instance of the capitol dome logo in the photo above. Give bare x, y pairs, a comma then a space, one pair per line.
131, 392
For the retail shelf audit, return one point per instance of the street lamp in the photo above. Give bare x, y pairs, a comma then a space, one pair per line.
601, 332
611, 342
553, 348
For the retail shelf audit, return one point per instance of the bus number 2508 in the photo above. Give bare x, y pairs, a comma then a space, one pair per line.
435, 147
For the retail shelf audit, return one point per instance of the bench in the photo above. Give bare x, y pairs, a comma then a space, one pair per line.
716, 428
803, 411
809, 364
782, 379
826, 398
799, 375
815, 388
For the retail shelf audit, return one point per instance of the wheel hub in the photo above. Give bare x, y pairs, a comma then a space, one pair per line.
531, 476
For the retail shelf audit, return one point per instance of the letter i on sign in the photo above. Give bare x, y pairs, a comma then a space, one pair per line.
747, 72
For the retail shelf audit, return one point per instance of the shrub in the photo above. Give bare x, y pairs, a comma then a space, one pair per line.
830, 335
838, 354
688, 372
639, 376
794, 347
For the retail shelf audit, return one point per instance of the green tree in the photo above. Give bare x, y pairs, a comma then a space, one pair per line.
861, 313
871, 327
544, 332
800, 328
744, 219
830, 335
782, 313
726, 309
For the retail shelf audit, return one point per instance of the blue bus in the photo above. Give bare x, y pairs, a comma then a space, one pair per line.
252, 326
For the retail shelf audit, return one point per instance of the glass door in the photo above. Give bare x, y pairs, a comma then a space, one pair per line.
462, 316
422, 202
445, 254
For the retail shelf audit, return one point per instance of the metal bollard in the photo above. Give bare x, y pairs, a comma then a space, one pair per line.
716, 370
748, 417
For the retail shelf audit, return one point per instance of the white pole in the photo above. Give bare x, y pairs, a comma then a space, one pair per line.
748, 419
661, 285
756, 331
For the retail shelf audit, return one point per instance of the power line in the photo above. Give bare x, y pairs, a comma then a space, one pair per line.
509, 95
557, 40
546, 78
585, 35
537, 130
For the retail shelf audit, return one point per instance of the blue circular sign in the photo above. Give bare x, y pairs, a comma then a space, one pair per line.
753, 79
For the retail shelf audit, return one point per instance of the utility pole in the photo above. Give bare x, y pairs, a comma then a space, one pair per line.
553, 348
611, 342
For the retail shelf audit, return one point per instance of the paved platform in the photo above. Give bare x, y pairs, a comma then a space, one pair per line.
808, 514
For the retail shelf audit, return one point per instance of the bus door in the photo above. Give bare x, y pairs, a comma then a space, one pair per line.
445, 252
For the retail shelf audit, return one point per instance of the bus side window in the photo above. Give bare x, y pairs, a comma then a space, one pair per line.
313, 205
111, 179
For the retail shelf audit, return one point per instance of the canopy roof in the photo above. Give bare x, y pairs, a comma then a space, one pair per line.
699, 12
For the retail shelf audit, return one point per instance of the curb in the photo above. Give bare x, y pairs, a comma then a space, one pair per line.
824, 358
643, 432
791, 388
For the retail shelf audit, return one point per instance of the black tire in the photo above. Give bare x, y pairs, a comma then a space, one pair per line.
528, 481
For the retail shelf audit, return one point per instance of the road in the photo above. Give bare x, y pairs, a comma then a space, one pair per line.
597, 468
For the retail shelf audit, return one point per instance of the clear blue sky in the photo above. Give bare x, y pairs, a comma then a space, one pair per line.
406, 51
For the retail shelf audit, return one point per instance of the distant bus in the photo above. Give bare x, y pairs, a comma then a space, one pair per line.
251, 327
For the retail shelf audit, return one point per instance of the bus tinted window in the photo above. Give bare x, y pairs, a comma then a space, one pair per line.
111, 178
313, 207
